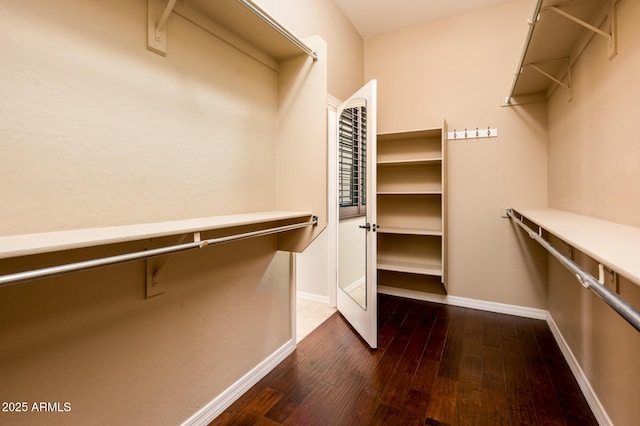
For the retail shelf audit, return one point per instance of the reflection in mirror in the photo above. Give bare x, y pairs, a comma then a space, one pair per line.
352, 172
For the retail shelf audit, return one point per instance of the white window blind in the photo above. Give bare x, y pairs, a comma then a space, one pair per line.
352, 131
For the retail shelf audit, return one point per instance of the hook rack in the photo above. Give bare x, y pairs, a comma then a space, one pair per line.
476, 133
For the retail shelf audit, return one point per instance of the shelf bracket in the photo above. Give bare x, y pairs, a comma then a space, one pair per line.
613, 30
153, 285
157, 27
552, 78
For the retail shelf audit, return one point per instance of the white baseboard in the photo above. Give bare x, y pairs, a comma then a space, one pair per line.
214, 408
312, 297
357, 283
500, 308
591, 397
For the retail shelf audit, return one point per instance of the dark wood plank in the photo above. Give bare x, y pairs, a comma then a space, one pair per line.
327, 404
442, 405
385, 415
363, 408
452, 351
544, 397
253, 412
414, 411
396, 391
494, 400
425, 375
572, 401
519, 399
469, 392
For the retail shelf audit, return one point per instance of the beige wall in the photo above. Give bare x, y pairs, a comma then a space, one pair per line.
594, 170
460, 69
345, 76
593, 154
99, 131
322, 17
93, 340
95, 130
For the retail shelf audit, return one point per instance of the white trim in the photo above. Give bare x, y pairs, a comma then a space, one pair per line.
501, 308
333, 102
214, 408
312, 297
588, 392
357, 283
293, 290
332, 195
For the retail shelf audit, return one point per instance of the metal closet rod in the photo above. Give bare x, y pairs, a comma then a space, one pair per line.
625, 310
18, 277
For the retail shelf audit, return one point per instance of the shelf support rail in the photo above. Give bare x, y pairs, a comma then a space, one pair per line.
162, 23
157, 29
15, 278
625, 310
611, 36
567, 85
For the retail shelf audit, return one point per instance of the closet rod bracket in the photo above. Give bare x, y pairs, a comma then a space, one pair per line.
157, 17
154, 266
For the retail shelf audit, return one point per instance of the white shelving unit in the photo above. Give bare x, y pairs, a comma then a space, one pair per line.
411, 189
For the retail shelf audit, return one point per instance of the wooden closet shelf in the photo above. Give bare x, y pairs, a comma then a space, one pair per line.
431, 192
411, 161
412, 267
409, 231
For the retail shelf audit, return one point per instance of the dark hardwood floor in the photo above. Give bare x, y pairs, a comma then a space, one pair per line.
435, 365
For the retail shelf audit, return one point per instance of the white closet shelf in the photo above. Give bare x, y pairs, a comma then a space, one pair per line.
412, 267
408, 231
412, 134
614, 245
28, 244
242, 23
559, 31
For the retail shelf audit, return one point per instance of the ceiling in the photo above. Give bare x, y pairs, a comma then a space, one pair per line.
371, 17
